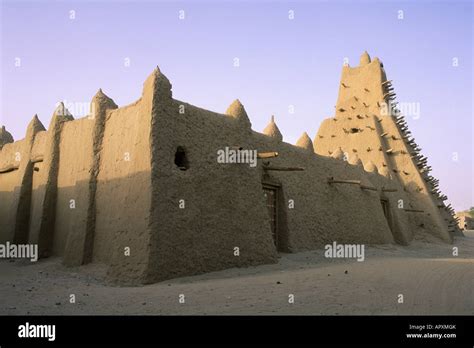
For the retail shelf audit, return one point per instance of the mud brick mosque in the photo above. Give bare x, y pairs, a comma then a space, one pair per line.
145, 178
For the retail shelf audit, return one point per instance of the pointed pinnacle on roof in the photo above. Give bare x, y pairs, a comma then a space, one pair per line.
237, 111
370, 167
61, 110
100, 99
157, 86
355, 160
272, 130
35, 123
5, 137
384, 172
34, 127
305, 142
364, 58
338, 154
60, 114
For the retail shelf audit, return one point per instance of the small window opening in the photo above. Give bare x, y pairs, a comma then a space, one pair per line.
354, 130
180, 159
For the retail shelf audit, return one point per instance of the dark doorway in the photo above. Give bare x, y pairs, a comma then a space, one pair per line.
271, 201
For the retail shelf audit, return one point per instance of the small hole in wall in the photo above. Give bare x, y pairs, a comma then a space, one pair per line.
180, 158
354, 130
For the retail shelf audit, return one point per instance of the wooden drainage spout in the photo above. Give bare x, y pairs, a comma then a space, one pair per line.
37, 159
8, 168
364, 187
267, 154
283, 169
331, 180
414, 210
270, 154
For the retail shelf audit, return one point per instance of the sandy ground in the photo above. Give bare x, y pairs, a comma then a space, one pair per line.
431, 280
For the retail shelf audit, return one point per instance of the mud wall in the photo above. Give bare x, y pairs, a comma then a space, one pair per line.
123, 195
8, 186
223, 207
12, 163
322, 212
74, 148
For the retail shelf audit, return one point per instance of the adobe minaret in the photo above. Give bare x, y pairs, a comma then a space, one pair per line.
367, 124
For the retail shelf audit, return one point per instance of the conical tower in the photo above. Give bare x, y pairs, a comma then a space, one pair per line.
368, 122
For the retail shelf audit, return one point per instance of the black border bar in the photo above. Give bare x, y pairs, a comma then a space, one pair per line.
222, 330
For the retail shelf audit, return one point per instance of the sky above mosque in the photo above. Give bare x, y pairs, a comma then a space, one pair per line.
277, 57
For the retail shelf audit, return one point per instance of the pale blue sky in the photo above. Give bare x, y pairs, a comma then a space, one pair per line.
282, 62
